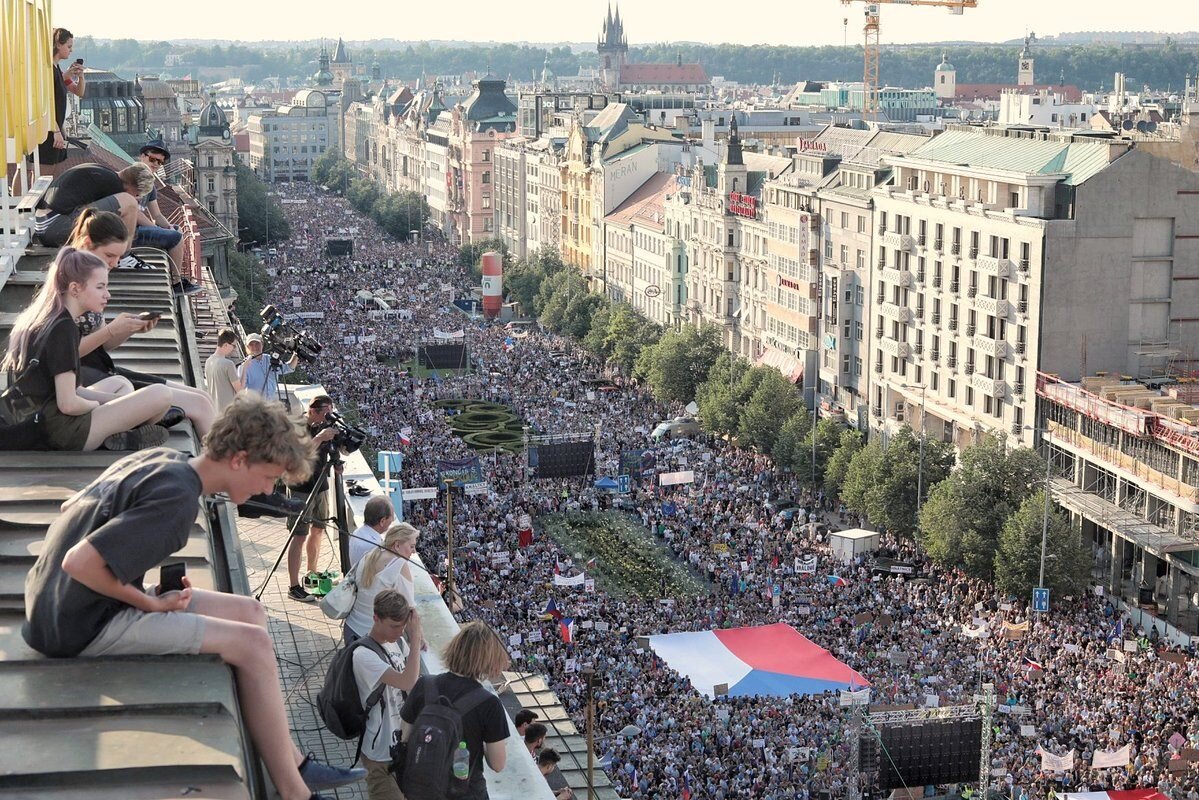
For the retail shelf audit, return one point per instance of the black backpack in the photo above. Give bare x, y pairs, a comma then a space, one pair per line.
338, 703
432, 742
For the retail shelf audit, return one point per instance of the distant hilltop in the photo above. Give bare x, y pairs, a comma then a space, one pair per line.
1114, 37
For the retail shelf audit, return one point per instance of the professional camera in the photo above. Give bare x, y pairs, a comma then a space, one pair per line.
281, 338
349, 438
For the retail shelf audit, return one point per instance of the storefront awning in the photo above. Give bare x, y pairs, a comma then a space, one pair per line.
789, 365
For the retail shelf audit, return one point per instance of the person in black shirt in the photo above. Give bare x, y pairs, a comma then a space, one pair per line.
308, 539
86, 595
473, 654
53, 150
78, 417
91, 185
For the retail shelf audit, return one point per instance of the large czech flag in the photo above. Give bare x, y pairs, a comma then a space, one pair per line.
773, 660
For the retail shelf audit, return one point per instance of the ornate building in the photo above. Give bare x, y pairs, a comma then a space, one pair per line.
342, 65
613, 49
215, 172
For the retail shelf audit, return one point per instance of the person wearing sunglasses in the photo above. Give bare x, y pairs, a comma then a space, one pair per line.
153, 228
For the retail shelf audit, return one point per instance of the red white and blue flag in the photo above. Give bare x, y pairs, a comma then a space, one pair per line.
1031, 665
567, 626
552, 610
406, 435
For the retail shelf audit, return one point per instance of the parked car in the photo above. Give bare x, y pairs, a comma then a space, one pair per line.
677, 428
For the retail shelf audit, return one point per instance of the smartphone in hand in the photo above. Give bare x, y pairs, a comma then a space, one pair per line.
170, 577
148, 316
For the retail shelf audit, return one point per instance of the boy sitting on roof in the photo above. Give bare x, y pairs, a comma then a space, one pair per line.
85, 595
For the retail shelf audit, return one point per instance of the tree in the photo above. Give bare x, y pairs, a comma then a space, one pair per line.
679, 362
333, 170
471, 255
1018, 557
828, 436
790, 440
773, 398
523, 280
860, 475
850, 442
628, 334
254, 208
249, 280
961, 522
882, 482
718, 409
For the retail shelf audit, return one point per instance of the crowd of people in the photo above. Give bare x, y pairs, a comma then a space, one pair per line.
1066, 682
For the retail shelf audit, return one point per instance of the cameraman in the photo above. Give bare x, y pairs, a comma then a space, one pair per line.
322, 433
259, 374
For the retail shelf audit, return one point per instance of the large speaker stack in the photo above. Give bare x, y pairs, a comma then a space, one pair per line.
442, 355
563, 459
933, 752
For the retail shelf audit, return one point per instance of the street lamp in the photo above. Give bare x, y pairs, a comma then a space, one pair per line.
920, 468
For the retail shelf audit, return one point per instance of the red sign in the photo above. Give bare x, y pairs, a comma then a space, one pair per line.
813, 145
743, 205
790, 284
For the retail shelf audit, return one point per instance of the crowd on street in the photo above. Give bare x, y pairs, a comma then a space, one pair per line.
1065, 681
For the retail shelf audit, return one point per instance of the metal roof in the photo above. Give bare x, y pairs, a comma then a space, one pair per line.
136, 727
1079, 161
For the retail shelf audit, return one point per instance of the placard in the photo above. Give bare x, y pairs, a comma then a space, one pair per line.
420, 493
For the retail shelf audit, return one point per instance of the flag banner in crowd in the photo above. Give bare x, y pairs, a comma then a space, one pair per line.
1029, 664
1131, 794
1012, 630
1052, 763
1111, 758
1028, 731
1117, 631
1130, 645
1115, 655
975, 631
589, 586
458, 334
567, 627
473, 489
406, 435
460, 470
805, 565
851, 698
534, 636
767, 660
574, 580
420, 493
551, 610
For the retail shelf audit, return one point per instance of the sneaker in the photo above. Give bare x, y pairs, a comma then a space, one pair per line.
132, 262
311, 582
270, 505
319, 776
173, 417
184, 286
140, 438
299, 594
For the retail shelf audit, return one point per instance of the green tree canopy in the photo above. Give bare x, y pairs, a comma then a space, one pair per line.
850, 442
961, 522
773, 398
1018, 558
883, 482
255, 208
679, 362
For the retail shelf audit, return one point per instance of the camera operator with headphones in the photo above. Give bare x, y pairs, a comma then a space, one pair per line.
260, 373
324, 433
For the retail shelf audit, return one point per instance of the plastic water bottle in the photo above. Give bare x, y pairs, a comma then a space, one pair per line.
462, 762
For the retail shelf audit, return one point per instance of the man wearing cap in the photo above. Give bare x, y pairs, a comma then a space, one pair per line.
153, 228
257, 373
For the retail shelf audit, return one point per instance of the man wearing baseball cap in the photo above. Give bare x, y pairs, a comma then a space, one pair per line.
257, 372
153, 228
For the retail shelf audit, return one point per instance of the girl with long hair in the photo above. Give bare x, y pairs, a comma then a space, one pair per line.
385, 567
78, 417
104, 234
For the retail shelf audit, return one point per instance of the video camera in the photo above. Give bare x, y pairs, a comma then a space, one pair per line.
281, 339
349, 438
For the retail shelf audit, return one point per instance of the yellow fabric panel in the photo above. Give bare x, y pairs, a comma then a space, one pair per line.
26, 75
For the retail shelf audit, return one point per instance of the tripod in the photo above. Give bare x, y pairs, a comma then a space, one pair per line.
305, 518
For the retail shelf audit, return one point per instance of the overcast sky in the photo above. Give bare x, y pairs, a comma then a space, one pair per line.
793, 22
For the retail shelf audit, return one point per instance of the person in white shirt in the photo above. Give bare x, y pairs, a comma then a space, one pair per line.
376, 518
397, 631
385, 568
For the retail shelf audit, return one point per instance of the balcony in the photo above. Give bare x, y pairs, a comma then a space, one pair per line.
936, 281
951, 362
921, 240
920, 276
969, 367
918, 348
988, 386
989, 347
919, 312
1016, 428
878, 367
955, 248
897, 276
898, 241
973, 252
1020, 348
1018, 389
992, 305
953, 323
970, 329
898, 313
1024, 265
894, 348
936, 318
954, 286
938, 244
934, 355
991, 265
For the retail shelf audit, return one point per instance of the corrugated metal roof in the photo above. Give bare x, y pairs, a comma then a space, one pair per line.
1077, 160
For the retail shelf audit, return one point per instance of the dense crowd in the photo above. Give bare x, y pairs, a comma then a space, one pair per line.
1084, 690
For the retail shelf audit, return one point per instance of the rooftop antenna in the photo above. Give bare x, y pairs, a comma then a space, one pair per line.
845, 32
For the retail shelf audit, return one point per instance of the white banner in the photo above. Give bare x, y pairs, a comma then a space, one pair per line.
676, 478
577, 580
1052, 763
1111, 758
476, 488
421, 493
458, 334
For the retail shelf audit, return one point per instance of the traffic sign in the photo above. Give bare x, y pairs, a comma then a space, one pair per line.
1040, 600
623, 484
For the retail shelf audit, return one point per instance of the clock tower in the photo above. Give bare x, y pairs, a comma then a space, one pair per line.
1024, 74
215, 172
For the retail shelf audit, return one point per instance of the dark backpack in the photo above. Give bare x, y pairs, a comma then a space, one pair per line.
338, 702
432, 742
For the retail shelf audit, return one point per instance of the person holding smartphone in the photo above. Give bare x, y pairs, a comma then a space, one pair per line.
53, 151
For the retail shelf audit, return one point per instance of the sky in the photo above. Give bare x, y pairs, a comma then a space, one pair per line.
790, 22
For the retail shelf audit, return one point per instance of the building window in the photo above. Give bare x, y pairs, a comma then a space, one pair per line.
486, 155
210, 164
486, 177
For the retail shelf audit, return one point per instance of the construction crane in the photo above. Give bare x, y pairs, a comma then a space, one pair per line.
870, 72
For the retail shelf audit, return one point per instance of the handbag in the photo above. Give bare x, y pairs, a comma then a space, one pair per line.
339, 602
23, 417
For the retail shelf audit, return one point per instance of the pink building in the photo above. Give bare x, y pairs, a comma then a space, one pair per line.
485, 118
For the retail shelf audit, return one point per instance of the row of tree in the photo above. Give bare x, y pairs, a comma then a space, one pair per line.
397, 213
1090, 66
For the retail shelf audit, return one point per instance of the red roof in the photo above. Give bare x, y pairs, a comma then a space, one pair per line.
682, 74
989, 91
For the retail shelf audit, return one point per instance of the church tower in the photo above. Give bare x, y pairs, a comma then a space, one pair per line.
1025, 75
215, 173
731, 172
342, 65
945, 80
613, 49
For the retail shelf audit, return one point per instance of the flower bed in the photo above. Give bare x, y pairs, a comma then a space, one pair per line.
629, 559
484, 426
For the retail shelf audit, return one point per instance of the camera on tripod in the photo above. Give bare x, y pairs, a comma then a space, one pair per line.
348, 437
282, 339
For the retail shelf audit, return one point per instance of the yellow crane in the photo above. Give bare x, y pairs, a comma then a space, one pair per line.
870, 72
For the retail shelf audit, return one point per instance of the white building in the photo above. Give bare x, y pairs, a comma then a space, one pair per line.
286, 141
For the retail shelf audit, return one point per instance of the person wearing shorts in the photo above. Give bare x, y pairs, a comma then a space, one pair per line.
94, 186
306, 539
85, 595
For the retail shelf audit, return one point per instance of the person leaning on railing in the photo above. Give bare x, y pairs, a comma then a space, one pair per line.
53, 151
103, 233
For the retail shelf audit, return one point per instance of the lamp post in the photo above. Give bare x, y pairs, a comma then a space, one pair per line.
1047, 439
449, 542
920, 468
